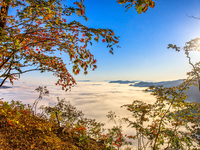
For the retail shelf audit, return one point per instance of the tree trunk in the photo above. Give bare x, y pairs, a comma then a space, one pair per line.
4, 14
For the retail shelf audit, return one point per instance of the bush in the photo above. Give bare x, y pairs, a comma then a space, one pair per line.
58, 127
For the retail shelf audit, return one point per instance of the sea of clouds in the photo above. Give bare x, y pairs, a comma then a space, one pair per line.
95, 99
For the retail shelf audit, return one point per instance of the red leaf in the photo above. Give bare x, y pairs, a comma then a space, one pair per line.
82, 40
77, 71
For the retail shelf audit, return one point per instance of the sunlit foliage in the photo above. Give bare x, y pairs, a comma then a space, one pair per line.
140, 5
34, 33
171, 122
59, 127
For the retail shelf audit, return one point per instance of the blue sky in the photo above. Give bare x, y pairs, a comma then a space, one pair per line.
143, 39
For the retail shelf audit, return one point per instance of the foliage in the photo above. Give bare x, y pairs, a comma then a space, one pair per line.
59, 127
30, 40
115, 135
191, 46
43, 91
66, 116
62, 113
170, 122
140, 5
20, 129
32, 36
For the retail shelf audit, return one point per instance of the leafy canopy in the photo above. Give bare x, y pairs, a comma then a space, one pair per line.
140, 5
31, 31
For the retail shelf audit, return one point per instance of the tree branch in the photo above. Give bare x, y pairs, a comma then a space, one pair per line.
160, 124
27, 71
6, 76
57, 118
195, 71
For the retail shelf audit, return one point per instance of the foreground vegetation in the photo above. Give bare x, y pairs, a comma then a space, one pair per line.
21, 129
58, 127
169, 123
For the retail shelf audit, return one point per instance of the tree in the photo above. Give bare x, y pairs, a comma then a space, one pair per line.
192, 45
140, 5
171, 122
30, 37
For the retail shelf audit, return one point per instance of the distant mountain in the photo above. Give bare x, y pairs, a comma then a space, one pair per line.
193, 94
122, 82
164, 83
4, 87
83, 80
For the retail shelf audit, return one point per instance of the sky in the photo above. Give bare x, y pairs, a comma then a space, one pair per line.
143, 40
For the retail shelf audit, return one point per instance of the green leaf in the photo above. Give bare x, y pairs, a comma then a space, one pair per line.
139, 8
